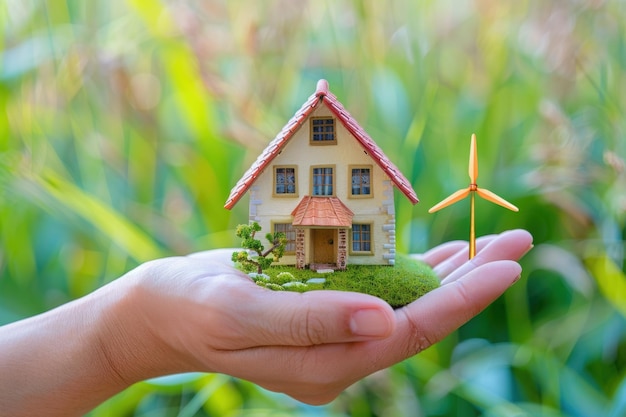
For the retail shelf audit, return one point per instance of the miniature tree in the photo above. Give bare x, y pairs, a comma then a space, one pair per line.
264, 257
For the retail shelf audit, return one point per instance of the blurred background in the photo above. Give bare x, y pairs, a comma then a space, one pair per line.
124, 124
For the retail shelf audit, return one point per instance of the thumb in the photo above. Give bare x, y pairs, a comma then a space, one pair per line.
316, 317
271, 318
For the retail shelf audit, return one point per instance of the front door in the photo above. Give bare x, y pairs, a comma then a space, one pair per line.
324, 246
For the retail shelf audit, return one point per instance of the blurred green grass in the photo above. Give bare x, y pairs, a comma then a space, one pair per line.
125, 124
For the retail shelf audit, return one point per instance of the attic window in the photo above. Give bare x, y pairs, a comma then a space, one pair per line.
323, 131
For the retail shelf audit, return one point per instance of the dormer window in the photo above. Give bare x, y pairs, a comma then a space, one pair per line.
323, 131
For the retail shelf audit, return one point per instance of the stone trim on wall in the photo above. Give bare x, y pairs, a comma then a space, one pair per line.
300, 254
255, 202
389, 228
342, 248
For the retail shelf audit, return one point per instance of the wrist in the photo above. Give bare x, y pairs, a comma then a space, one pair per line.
137, 328
127, 348
107, 330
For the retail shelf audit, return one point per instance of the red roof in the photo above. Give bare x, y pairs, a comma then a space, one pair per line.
275, 146
322, 212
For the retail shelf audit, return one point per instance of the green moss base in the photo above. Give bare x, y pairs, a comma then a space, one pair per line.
398, 285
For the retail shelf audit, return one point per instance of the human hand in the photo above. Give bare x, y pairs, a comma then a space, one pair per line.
197, 313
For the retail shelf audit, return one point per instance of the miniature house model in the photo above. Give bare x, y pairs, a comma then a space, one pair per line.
325, 184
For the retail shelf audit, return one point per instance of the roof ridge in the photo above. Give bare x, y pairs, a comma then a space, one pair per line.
321, 89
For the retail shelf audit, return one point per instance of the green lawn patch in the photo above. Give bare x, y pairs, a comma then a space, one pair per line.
398, 285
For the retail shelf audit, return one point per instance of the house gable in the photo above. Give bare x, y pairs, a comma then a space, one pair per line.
322, 98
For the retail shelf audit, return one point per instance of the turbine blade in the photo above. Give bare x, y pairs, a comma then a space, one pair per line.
473, 160
453, 198
488, 195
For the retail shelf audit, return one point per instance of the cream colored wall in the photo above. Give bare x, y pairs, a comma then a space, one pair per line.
345, 153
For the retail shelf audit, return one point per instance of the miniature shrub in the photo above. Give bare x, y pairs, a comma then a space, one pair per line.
273, 286
256, 277
283, 278
295, 286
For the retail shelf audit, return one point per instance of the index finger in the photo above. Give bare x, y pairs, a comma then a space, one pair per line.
440, 253
511, 245
455, 250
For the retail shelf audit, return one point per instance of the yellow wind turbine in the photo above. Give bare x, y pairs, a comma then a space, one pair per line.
471, 190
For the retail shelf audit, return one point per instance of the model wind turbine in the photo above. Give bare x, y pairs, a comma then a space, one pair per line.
471, 190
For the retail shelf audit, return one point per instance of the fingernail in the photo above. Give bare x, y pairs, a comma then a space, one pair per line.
370, 322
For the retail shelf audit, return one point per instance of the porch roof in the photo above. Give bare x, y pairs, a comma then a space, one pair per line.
322, 212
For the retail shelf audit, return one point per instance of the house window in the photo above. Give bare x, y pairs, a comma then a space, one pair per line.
290, 234
322, 180
361, 237
285, 181
361, 184
323, 131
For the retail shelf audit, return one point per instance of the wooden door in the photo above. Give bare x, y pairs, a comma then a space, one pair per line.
325, 246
